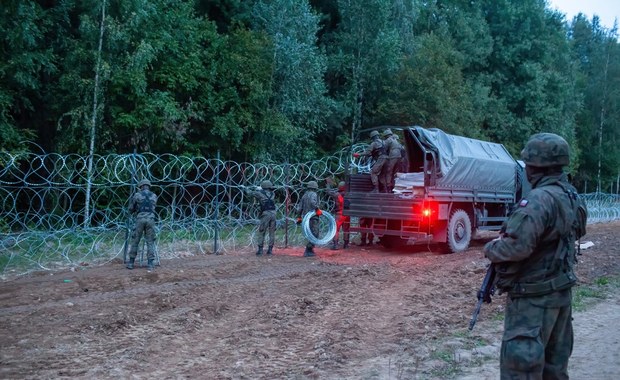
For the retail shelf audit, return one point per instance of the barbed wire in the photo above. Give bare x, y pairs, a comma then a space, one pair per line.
201, 204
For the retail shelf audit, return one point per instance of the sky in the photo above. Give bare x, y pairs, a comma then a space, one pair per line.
606, 10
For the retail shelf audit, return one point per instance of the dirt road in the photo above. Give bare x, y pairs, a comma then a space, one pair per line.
347, 314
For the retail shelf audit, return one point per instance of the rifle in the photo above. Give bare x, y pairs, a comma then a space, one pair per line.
487, 289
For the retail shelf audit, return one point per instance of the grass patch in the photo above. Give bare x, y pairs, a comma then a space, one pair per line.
586, 295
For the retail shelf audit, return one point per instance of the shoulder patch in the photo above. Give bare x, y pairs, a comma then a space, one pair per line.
523, 203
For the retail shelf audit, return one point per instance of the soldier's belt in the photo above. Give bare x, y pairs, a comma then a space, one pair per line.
561, 282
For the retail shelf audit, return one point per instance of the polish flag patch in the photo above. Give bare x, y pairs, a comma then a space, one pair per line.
523, 203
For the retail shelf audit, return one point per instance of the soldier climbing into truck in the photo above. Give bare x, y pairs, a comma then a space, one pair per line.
377, 151
452, 186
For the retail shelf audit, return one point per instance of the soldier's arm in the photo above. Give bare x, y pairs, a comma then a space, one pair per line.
524, 229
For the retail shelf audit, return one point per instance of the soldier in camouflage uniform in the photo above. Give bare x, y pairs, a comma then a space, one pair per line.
309, 202
393, 147
265, 196
143, 205
377, 150
534, 259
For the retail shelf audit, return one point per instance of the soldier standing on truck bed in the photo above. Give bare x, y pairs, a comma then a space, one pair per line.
394, 149
534, 261
377, 151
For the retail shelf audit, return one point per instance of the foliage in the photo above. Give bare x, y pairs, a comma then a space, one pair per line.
288, 80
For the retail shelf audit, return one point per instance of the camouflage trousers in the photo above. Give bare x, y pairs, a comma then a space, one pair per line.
267, 224
377, 174
538, 337
146, 227
314, 228
391, 168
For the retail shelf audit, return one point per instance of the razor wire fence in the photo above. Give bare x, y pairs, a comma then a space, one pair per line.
202, 204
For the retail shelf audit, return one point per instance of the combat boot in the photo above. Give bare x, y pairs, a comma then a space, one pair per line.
375, 189
260, 250
130, 263
270, 250
150, 265
334, 246
309, 252
345, 245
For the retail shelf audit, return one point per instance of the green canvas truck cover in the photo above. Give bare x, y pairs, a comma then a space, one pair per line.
468, 163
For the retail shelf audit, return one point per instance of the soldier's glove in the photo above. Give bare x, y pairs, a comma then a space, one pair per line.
298, 221
356, 155
318, 212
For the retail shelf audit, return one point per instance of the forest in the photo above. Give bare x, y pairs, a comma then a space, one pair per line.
294, 80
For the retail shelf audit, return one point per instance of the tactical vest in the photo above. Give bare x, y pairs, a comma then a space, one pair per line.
145, 204
544, 274
266, 203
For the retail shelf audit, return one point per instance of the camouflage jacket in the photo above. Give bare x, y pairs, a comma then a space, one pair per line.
265, 198
308, 202
538, 244
393, 147
143, 203
377, 149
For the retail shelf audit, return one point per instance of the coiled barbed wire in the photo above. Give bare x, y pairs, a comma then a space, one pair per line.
43, 203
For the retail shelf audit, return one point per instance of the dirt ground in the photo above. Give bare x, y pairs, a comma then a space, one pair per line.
360, 313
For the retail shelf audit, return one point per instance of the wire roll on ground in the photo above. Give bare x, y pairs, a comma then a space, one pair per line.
331, 232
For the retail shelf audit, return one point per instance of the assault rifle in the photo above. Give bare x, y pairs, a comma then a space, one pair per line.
487, 289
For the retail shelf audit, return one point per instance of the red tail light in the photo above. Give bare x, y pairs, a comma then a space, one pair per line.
427, 210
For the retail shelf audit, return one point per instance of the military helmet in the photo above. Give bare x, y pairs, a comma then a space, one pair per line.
266, 185
312, 185
342, 186
545, 150
387, 132
374, 134
144, 182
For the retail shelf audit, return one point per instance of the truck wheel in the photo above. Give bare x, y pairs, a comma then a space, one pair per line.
459, 231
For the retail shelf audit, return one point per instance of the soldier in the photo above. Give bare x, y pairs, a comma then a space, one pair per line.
342, 221
265, 196
534, 259
394, 148
143, 204
309, 202
378, 152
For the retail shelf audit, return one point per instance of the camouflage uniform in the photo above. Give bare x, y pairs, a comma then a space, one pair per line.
534, 260
309, 202
377, 150
342, 221
393, 148
143, 205
265, 197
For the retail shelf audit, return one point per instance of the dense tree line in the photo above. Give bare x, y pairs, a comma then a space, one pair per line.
277, 80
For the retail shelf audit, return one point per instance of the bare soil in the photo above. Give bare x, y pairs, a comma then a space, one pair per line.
360, 313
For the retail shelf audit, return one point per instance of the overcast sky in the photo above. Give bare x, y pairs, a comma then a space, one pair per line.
606, 10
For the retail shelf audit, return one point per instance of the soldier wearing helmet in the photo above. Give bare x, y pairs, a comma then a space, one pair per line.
309, 202
394, 152
266, 198
142, 205
377, 150
534, 259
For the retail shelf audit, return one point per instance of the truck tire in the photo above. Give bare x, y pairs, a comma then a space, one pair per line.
459, 232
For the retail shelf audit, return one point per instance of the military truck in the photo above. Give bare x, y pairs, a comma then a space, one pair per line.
450, 188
